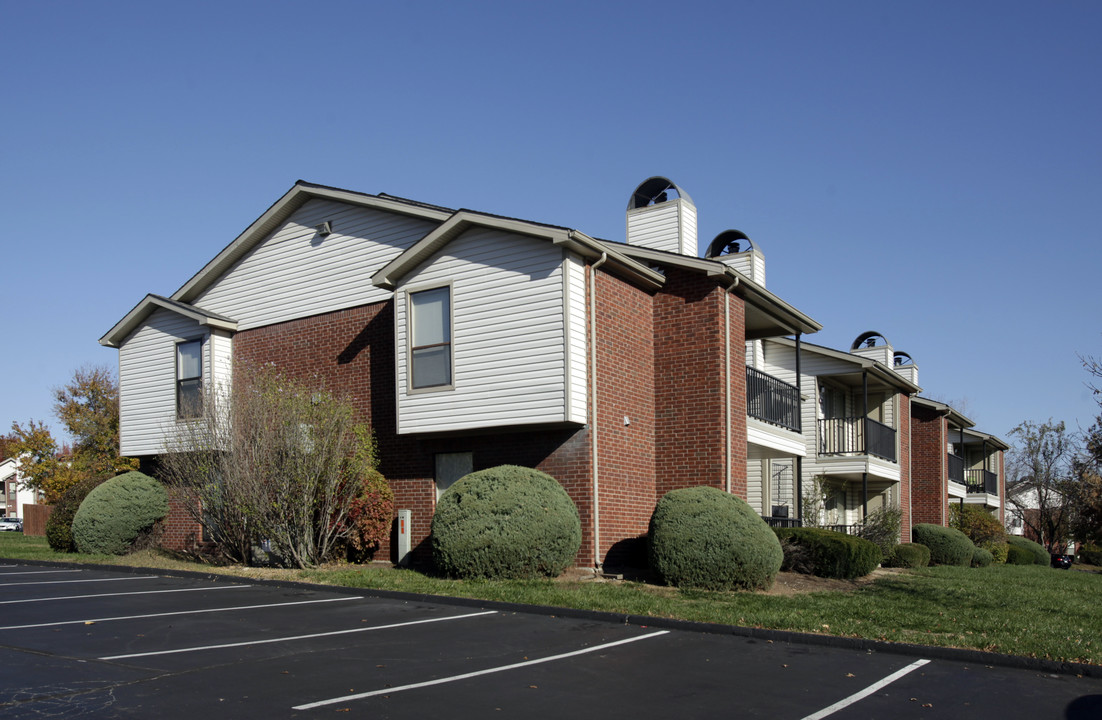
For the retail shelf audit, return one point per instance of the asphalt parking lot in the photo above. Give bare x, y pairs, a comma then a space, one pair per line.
99, 643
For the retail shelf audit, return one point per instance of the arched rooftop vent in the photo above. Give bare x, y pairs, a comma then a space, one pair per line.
730, 242
654, 191
868, 339
901, 358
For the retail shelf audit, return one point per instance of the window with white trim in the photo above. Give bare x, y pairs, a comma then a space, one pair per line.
189, 379
430, 338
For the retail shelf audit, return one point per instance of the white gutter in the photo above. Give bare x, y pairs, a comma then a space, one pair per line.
593, 406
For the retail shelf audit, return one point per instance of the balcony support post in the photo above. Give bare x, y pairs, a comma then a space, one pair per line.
799, 415
864, 496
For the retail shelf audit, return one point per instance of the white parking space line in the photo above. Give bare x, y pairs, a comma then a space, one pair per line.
867, 691
477, 673
69, 582
36, 572
120, 594
298, 637
181, 612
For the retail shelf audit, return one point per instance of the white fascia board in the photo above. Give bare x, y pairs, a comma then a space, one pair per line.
879, 370
760, 298
122, 329
292, 200
944, 409
391, 274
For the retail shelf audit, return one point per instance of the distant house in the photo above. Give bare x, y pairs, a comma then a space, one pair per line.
16, 493
470, 340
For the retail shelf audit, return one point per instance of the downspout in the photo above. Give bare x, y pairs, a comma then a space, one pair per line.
593, 406
727, 388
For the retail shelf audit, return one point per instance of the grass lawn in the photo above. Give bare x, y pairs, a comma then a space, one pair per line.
1033, 611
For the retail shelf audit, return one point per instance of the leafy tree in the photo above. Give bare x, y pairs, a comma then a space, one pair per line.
1041, 482
38, 461
277, 459
88, 407
7, 446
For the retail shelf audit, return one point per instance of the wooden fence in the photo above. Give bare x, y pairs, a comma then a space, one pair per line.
34, 518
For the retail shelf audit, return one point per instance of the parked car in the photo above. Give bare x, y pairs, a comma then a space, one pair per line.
11, 524
1062, 562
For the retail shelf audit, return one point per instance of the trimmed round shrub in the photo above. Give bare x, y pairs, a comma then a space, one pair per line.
505, 522
998, 551
702, 537
908, 555
59, 526
117, 512
981, 557
1090, 554
1018, 555
827, 553
948, 546
1040, 555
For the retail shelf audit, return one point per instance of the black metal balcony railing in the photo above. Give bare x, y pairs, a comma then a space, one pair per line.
858, 436
956, 468
981, 481
783, 522
771, 400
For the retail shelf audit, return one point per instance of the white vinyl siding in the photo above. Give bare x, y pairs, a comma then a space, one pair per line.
296, 273
578, 335
147, 380
669, 226
509, 335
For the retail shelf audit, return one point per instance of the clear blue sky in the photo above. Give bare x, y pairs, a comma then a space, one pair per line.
932, 171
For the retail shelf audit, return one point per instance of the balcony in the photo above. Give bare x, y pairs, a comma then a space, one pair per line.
956, 468
856, 436
785, 522
981, 481
771, 400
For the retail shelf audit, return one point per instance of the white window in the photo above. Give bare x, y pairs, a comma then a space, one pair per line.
189, 379
430, 338
450, 467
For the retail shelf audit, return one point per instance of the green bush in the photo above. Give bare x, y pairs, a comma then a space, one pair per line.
1040, 555
117, 512
828, 553
981, 557
505, 522
882, 528
980, 526
1018, 555
908, 555
59, 526
948, 546
703, 537
998, 551
1090, 554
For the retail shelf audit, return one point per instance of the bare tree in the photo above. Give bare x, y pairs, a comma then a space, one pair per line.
277, 459
1041, 480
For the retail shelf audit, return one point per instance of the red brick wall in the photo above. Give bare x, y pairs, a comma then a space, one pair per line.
906, 480
353, 350
689, 384
929, 472
625, 389
737, 377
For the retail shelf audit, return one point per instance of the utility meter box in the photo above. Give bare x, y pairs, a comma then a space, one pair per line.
405, 535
